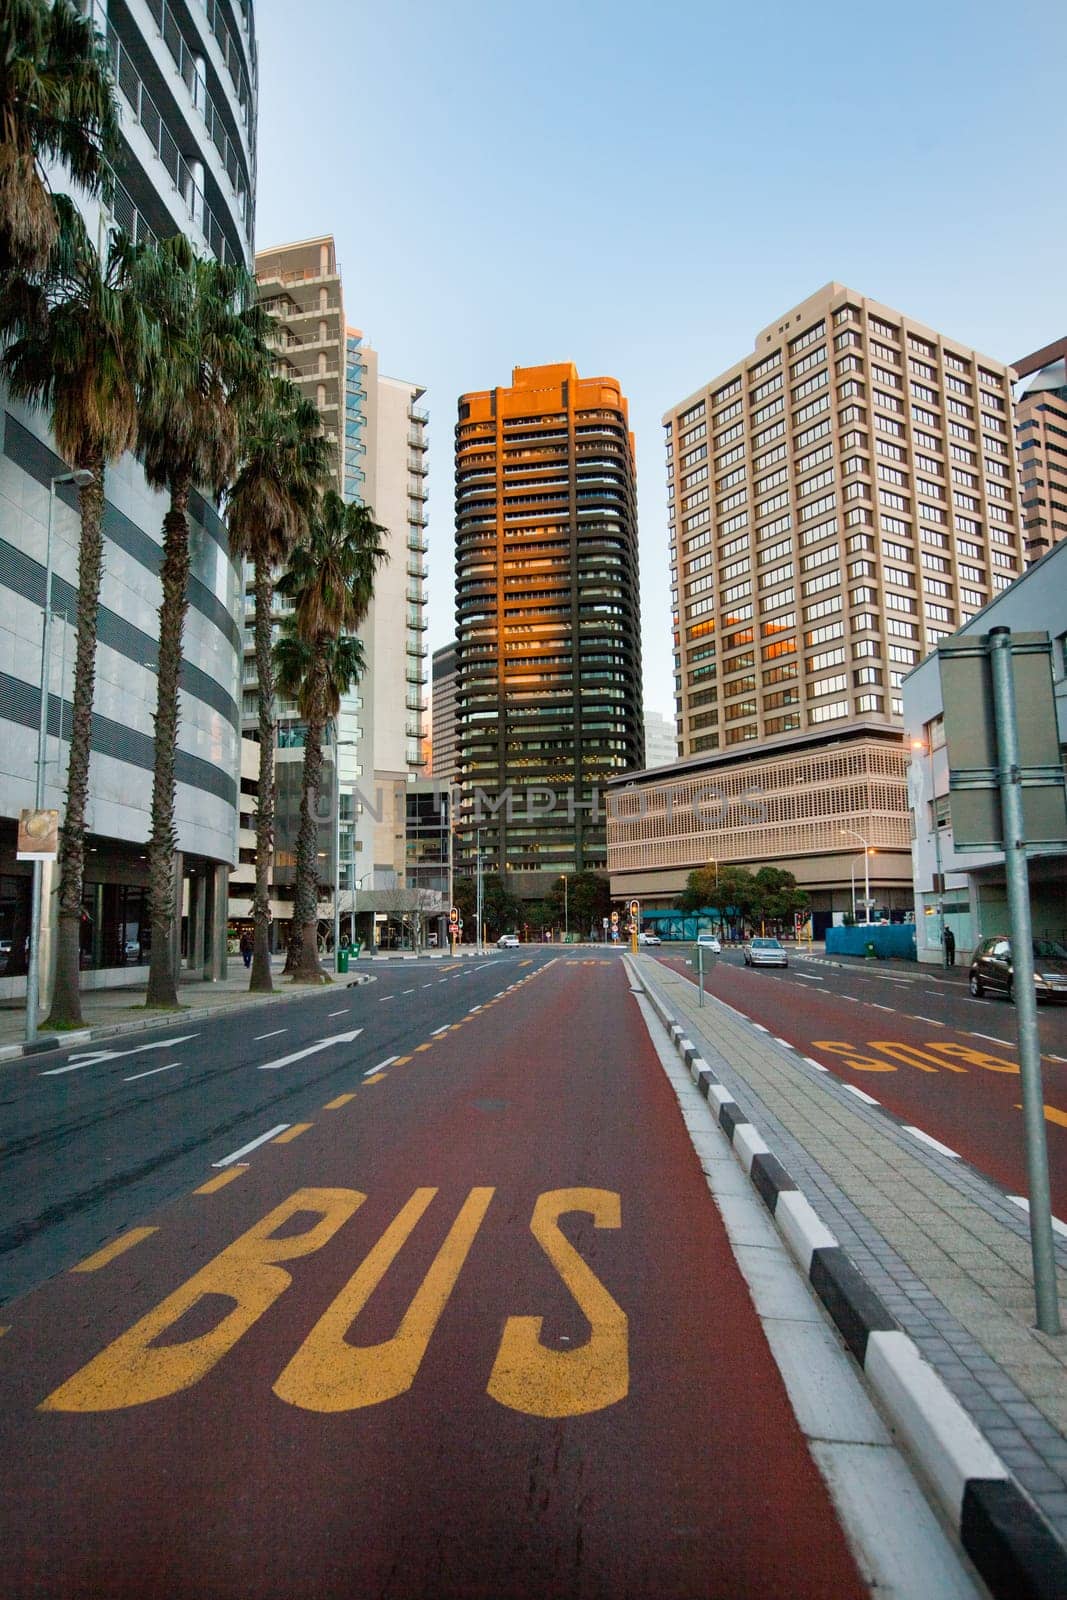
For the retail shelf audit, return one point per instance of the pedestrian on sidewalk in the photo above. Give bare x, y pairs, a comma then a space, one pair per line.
246, 948
950, 948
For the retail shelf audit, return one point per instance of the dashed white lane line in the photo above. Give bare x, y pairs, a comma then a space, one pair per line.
342, 1013
816, 1064
933, 1021
991, 1037
427, 986
436, 1031
442, 980
273, 1034
472, 1010
381, 1065
935, 1144
483, 966
253, 1144
861, 1094
1024, 1204
383, 997
877, 1006
408, 991
152, 1072
811, 977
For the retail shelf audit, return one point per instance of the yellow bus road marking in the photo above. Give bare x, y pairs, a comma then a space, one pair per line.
400, 1060
525, 963
293, 1133
342, 1100
427, 1046
221, 1181
117, 1247
1052, 1114
6, 1329
377, 1078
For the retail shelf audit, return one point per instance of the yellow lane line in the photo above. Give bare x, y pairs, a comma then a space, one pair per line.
399, 1062
117, 1247
221, 1181
1052, 1114
377, 1078
293, 1133
5, 1330
335, 1105
428, 1046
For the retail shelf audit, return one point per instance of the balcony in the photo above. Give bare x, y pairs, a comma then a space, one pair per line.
415, 647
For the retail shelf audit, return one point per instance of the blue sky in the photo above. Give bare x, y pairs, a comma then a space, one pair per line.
639, 188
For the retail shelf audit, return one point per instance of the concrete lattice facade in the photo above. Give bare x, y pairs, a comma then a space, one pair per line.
1041, 436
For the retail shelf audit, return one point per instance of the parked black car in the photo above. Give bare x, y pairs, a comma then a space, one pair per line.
991, 968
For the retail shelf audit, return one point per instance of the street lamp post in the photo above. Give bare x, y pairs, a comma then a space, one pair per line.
337, 848
478, 888
566, 911
33, 972
921, 747
866, 876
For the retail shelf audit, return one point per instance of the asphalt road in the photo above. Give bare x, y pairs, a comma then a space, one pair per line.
915, 1041
471, 1326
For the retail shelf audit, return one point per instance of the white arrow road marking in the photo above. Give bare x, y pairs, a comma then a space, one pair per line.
93, 1057
309, 1050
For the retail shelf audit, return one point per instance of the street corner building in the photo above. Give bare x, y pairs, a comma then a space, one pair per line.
186, 85
548, 654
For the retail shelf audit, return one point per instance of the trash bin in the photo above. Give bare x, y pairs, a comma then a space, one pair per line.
342, 960
869, 952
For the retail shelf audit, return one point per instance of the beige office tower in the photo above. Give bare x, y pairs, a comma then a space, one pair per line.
840, 500
377, 435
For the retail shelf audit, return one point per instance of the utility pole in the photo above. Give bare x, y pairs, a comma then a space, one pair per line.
478, 888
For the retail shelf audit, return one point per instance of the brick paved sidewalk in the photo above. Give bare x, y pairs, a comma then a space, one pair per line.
947, 1252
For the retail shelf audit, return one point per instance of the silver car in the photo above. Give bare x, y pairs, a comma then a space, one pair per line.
765, 953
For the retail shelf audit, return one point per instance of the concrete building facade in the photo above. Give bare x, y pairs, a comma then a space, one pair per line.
445, 758
966, 890
548, 656
661, 740
186, 88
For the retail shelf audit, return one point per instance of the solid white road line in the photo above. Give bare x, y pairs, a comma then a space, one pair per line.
381, 1065
933, 1021
935, 1144
273, 1034
991, 1037
861, 1094
251, 1145
436, 1031
152, 1072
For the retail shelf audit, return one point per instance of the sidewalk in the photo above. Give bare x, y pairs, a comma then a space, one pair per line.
944, 1249
112, 1011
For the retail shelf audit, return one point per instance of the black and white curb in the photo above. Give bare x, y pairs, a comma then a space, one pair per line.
1016, 1552
47, 1041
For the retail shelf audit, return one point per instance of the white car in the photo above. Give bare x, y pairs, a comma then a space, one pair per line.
508, 941
710, 941
649, 938
765, 953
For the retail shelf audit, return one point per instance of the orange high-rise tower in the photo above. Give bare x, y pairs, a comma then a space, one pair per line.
548, 675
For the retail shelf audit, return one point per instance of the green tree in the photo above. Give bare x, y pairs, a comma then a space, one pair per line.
331, 582
778, 896
56, 105
77, 342
285, 464
212, 371
502, 911
729, 891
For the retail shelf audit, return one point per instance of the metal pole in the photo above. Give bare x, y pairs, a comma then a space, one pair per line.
866, 884
1018, 876
566, 912
852, 870
33, 972
451, 872
937, 859
700, 972
478, 889
337, 856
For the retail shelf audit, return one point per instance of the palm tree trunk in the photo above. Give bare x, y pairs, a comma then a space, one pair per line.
308, 968
261, 982
66, 1009
174, 575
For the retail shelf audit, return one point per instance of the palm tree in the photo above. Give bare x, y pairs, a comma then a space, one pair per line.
56, 104
286, 461
77, 341
213, 368
331, 580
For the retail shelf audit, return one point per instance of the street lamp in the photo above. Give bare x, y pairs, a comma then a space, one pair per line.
81, 478
566, 912
478, 888
337, 850
866, 876
852, 872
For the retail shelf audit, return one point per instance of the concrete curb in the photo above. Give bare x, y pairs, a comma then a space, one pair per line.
110, 1030
1014, 1549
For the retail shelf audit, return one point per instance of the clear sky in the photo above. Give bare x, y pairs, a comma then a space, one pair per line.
639, 188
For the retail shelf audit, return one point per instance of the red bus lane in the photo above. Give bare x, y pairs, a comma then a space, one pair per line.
961, 1090
474, 1330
